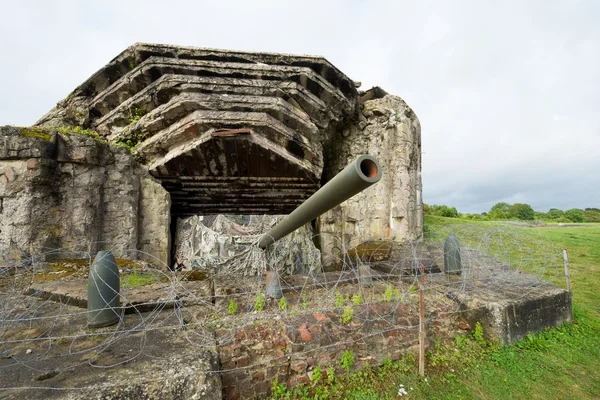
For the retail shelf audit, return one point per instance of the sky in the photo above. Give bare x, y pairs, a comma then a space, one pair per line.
507, 93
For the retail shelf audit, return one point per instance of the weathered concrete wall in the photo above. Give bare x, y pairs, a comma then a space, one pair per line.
154, 235
75, 193
393, 208
509, 312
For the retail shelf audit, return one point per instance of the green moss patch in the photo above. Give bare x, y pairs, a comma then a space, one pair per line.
36, 133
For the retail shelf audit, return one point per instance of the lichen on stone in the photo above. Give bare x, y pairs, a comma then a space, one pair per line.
36, 132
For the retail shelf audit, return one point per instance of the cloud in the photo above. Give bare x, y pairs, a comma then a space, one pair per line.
506, 92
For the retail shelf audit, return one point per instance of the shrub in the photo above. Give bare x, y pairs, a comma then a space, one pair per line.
575, 215
521, 211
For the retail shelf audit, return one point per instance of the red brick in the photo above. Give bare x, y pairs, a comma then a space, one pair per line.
299, 366
325, 358
320, 317
258, 377
230, 392
240, 335
299, 380
243, 361
262, 389
304, 333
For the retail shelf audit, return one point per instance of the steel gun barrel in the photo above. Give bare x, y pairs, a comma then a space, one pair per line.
363, 172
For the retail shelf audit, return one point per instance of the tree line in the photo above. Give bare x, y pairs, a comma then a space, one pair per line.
518, 211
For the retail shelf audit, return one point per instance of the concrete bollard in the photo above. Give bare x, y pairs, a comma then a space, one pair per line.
365, 278
452, 260
103, 291
273, 285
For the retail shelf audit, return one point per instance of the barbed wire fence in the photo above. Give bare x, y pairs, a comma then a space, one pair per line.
218, 301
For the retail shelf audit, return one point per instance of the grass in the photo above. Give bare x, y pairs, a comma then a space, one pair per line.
137, 279
559, 363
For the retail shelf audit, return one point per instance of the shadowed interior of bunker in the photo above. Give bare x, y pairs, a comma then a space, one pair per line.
232, 174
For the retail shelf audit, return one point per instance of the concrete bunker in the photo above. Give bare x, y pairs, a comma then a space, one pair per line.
228, 132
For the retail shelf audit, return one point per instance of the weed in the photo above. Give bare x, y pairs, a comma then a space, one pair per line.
304, 304
339, 299
389, 292
129, 139
330, 375
347, 360
135, 115
317, 375
233, 307
461, 341
278, 390
478, 333
259, 302
347, 315
357, 299
283, 305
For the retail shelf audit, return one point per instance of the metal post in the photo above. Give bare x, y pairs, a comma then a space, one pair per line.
422, 322
567, 274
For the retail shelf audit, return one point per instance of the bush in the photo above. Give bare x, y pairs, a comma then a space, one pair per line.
499, 211
554, 213
575, 215
442, 211
521, 211
592, 215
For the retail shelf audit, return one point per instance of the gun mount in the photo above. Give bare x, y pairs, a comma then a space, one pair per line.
363, 172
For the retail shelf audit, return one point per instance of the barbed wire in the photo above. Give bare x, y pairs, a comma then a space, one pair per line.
44, 332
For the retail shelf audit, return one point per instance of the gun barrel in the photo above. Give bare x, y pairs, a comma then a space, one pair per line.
363, 172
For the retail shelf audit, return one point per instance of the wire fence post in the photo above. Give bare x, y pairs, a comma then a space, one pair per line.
422, 322
567, 274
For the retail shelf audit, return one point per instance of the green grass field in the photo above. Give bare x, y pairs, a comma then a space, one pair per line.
560, 363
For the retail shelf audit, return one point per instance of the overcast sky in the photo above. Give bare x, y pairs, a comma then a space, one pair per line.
508, 93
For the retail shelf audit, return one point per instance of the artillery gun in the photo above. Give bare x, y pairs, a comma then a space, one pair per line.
360, 174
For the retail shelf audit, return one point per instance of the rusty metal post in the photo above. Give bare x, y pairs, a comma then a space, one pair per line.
422, 322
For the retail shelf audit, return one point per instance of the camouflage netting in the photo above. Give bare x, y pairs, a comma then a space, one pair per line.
225, 244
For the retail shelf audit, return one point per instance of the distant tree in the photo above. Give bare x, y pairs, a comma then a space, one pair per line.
575, 215
538, 215
502, 206
499, 211
427, 209
554, 213
444, 211
592, 215
477, 216
521, 211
